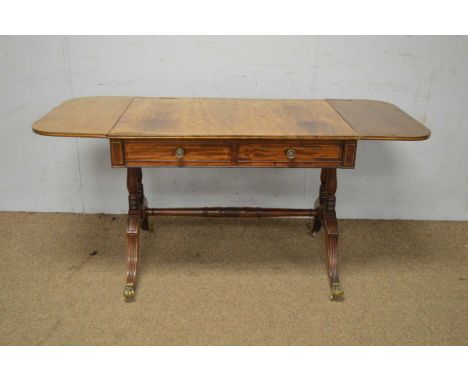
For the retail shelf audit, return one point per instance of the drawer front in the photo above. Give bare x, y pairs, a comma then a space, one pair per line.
290, 153
189, 152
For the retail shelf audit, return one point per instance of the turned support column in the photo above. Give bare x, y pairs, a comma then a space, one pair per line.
142, 200
320, 202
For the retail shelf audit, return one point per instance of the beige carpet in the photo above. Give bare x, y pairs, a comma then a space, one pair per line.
231, 281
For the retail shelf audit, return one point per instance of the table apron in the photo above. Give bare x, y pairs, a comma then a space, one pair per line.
227, 153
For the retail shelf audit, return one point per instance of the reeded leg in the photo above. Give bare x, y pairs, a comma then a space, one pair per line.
142, 200
133, 254
331, 241
331, 234
320, 202
133, 231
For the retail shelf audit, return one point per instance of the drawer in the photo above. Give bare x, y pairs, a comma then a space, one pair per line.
290, 152
169, 152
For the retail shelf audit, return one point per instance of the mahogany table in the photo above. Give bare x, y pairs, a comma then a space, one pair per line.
204, 132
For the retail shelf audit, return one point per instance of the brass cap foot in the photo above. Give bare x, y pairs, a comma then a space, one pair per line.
337, 291
129, 292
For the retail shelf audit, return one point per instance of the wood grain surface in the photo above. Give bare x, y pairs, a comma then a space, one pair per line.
218, 118
377, 120
91, 117
162, 151
230, 118
277, 152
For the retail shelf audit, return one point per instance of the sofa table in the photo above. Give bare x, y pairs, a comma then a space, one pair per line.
209, 132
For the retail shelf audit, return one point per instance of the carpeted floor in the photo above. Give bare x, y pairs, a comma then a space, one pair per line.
231, 282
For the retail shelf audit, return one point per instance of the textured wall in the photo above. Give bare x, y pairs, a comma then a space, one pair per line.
425, 76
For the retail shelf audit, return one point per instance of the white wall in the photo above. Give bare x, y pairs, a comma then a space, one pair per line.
425, 76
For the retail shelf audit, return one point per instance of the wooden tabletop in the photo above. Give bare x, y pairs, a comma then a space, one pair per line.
218, 118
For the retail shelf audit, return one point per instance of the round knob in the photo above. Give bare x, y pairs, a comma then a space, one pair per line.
179, 153
291, 153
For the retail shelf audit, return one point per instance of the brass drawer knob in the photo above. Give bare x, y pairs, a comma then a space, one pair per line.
291, 153
179, 153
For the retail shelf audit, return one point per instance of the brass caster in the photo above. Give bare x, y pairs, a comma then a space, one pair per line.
337, 291
129, 292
